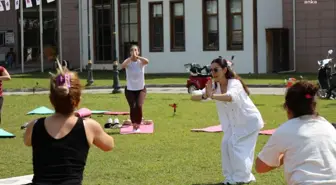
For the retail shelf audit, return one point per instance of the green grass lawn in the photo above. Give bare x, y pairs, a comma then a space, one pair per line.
104, 78
172, 155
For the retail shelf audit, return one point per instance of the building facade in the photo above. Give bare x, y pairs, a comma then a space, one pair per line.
170, 33
313, 31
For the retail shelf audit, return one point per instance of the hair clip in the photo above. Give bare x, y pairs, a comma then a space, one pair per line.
61, 80
308, 96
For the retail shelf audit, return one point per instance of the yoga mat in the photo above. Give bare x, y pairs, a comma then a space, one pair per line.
5, 134
83, 112
267, 132
41, 111
98, 111
218, 128
17, 180
144, 129
116, 113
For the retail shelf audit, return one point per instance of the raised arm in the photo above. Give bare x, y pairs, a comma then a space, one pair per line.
144, 61
234, 89
272, 155
199, 95
125, 63
4, 74
100, 138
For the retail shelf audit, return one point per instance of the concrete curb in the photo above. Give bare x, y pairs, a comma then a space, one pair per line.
149, 86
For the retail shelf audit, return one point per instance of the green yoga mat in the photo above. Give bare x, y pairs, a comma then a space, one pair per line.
41, 111
5, 134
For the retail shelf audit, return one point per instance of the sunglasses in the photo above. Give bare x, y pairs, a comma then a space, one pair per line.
215, 70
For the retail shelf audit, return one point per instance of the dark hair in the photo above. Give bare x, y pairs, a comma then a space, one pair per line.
65, 91
229, 74
300, 99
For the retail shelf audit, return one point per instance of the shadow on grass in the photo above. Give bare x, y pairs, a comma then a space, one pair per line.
220, 183
330, 105
116, 132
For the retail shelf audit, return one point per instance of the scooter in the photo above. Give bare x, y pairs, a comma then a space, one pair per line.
199, 75
327, 78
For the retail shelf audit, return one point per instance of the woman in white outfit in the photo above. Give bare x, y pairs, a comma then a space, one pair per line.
240, 119
305, 144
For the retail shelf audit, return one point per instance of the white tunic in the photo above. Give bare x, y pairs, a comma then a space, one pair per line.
309, 148
241, 113
135, 76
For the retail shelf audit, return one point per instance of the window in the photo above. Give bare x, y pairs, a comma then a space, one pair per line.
104, 31
177, 29
156, 27
235, 25
2, 38
210, 25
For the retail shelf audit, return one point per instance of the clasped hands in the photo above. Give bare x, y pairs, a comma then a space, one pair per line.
209, 91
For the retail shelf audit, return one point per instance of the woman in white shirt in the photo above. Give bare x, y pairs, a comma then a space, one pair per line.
240, 119
135, 90
305, 144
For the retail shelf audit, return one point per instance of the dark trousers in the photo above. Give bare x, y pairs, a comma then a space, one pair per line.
135, 101
1, 103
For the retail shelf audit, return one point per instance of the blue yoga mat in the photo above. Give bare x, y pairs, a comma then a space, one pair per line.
41, 111
5, 134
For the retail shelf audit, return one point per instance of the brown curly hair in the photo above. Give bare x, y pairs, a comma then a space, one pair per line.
301, 99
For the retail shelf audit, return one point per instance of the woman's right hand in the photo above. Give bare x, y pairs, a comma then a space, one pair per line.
208, 88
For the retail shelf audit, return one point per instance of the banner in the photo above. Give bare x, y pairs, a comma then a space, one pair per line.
7, 5
17, 4
29, 4
1, 7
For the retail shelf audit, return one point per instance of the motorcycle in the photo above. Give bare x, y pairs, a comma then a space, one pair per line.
327, 77
199, 75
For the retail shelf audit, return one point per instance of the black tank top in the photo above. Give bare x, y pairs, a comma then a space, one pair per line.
59, 161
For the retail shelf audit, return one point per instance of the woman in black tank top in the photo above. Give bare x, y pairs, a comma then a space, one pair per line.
61, 142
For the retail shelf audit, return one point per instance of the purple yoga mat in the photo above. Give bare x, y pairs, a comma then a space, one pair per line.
218, 128
144, 129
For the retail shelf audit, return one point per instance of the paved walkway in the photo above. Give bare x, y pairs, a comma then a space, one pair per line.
168, 90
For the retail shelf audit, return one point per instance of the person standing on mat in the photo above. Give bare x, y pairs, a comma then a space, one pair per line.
240, 119
60, 143
4, 77
135, 90
305, 144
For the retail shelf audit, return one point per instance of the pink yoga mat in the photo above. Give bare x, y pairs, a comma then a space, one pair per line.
144, 129
116, 113
267, 132
218, 128
83, 112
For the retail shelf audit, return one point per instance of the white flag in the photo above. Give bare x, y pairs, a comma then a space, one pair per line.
38, 2
1, 7
29, 4
17, 4
49, 1
7, 5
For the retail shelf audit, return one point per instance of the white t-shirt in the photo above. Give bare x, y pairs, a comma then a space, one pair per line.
309, 147
135, 76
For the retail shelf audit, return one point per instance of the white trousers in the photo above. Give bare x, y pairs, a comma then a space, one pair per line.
238, 156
